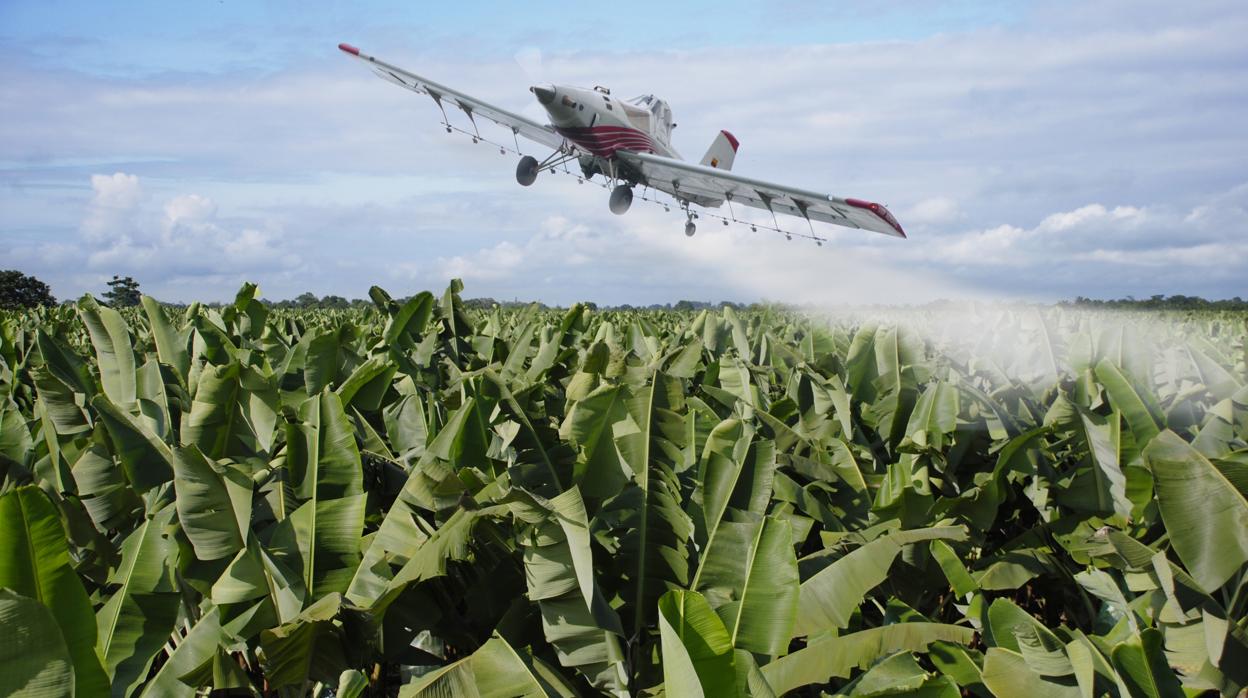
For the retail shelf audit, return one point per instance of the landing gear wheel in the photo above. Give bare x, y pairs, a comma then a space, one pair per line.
621, 199
690, 229
526, 171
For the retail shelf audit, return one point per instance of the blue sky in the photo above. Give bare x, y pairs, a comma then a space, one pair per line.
1035, 150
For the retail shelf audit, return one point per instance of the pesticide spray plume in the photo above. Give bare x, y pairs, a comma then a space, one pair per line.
992, 332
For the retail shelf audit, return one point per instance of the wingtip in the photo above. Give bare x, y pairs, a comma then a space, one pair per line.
348, 48
880, 212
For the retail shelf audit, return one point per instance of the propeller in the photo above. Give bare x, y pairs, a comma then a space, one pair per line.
529, 59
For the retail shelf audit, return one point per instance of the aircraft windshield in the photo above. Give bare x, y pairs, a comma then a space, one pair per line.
661, 114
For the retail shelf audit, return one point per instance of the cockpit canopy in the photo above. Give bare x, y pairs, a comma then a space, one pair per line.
650, 114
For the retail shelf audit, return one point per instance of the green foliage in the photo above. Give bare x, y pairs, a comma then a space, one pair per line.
123, 292
433, 497
17, 291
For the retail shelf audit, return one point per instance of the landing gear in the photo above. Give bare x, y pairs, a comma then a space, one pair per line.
621, 199
528, 167
690, 228
526, 171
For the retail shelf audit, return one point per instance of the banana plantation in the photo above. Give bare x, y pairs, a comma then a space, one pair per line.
420, 499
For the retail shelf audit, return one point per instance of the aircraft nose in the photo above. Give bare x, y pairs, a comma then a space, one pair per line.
545, 95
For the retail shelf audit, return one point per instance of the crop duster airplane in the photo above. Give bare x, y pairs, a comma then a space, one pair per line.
629, 143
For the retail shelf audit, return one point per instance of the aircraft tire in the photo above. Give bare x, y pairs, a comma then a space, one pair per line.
690, 229
621, 199
526, 171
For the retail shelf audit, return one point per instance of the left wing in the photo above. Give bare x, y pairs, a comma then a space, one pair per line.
710, 186
473, 107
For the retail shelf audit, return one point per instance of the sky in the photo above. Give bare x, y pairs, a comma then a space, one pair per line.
1032, 150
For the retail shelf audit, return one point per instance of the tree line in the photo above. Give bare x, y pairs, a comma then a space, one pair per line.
18, 290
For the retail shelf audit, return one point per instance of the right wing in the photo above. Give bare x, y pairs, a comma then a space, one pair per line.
473, 107
710, 186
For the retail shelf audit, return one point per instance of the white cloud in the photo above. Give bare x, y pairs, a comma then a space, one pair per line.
188, 247
113, 205
937, 210
189, 208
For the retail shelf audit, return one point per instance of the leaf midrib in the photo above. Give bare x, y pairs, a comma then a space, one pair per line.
749, 574
643, 531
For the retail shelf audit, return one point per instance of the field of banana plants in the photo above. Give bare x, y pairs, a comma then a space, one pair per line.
421, 499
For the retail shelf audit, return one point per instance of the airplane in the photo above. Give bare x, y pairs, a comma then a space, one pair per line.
628, 142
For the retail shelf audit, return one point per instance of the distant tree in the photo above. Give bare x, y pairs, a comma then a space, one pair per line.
123, 292
18, 290
1160, 302
307, 299
335, 302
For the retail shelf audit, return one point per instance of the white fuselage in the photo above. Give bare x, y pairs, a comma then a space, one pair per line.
600, 124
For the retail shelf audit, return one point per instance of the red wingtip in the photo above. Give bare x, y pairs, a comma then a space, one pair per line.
881, 212
732, 140
349, 49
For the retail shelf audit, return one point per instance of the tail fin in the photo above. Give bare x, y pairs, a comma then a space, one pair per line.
722, 151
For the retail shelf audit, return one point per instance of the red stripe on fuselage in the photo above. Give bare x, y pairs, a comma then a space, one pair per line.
605, 140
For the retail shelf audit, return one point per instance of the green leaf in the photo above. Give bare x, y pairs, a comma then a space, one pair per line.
1205, 515
102, 486
352, 683
495, 670
312, 647
735, 470
749, 576
170, 343
898, 674
934, 418
34, 562
559, 575
411, 319
15, 440
959, 579
829, 598
113, 353
590, 425
835, 657
60, 403
1141, 662
647, 516
1211, 368
213, 502
146, 460
1102, 444
211, 423
1007, 675
697, 650
139, 616
1125, 398
325, 467
32, 650
367, 384
195, 648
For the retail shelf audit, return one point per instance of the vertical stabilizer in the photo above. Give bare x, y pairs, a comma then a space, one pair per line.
722, 151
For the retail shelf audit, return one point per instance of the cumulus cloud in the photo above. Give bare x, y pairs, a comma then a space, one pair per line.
180, 245
114, 202
1092, 248
934, 211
